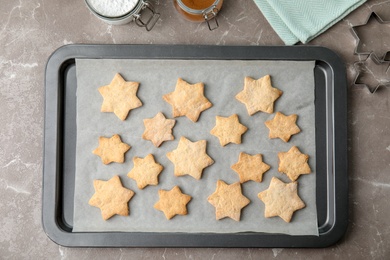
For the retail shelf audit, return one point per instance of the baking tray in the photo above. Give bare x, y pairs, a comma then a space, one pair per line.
60, 146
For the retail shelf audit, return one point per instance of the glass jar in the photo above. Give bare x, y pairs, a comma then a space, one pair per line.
124, 11
200, 10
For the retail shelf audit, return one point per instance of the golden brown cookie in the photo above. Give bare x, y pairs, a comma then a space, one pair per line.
120, 97
282, 126
259, 95
228, 130
228, 200
250, 167
293, 163
158, 129
190, 158
188, 100
111, 197
172, 202
111, 149
145, 171
281, 199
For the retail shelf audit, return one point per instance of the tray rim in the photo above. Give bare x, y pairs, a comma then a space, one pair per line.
64, 54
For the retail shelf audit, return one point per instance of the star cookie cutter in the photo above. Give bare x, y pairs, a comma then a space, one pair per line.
372, 73
365, 35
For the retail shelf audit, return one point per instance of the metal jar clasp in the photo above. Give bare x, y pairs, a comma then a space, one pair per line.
151, 14
209, 15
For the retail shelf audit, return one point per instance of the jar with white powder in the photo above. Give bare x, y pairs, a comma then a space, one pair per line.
118, 12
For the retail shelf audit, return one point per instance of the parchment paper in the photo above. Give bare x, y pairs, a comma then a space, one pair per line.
223, 80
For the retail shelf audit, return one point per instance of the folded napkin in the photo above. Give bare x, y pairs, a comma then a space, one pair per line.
303, 20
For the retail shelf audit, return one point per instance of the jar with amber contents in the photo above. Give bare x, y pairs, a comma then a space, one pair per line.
200, 10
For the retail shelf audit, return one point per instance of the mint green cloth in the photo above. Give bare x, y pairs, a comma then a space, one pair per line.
303, 20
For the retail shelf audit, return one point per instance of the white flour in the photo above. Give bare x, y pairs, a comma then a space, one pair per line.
113, 8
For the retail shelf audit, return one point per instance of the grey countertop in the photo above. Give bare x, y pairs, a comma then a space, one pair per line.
32, 30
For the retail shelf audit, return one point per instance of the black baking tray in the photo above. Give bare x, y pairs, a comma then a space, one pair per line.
60, 146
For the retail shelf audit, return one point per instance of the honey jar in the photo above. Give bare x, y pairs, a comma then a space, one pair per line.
200, 11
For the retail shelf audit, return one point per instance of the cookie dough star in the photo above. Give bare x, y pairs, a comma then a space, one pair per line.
259, 95
111, 197
228, 130
228, 200
188, 100
145, 171
293, 163
172, 202
111, 149
158, 129
190, 158
250, 167
281, 199
282, 126
120, 97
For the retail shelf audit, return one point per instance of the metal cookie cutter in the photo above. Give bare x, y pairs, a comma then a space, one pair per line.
374, 71
367, 34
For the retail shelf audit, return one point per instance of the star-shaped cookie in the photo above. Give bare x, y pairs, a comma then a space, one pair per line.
190, 158
111, 149
120, 97
259, 95
188, 100
145, 171
282, 126
228, 130
293, 163
158, 129
111, 197
250, 167
281, 199
172, 202
228, 200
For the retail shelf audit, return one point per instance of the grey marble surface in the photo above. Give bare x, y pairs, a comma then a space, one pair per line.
31, 30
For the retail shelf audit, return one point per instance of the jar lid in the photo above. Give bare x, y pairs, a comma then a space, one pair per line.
112, 8
196, 6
